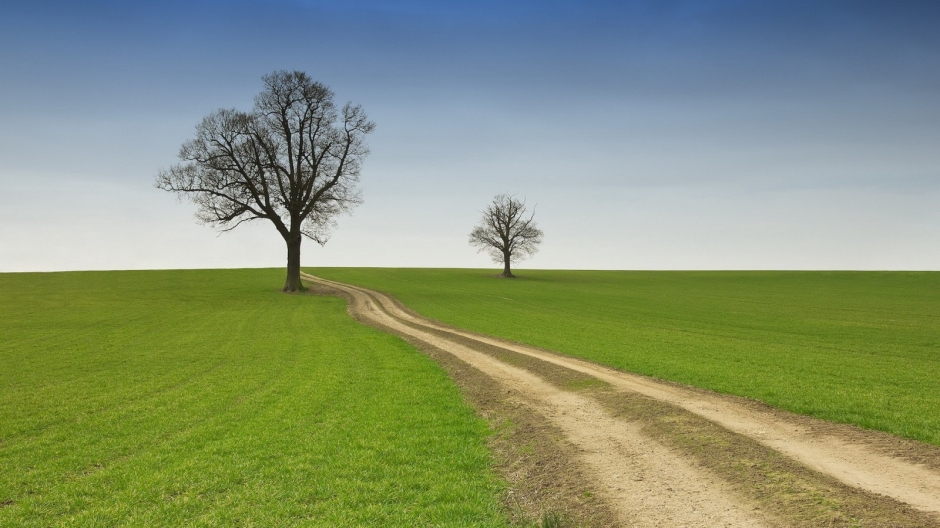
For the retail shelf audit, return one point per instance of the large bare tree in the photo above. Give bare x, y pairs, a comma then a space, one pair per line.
294, 160
505, 233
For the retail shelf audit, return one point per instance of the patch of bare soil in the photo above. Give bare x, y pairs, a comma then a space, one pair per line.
603, 447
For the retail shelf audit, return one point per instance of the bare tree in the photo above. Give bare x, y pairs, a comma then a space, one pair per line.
505, 233
294, 160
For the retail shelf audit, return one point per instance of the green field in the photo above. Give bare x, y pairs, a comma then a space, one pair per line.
853, 347
208, 398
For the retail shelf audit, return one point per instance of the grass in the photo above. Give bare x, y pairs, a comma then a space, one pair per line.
208, 398
852, 347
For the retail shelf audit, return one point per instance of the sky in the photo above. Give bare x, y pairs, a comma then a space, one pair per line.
662, 134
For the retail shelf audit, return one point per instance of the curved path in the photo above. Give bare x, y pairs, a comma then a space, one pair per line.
634, 470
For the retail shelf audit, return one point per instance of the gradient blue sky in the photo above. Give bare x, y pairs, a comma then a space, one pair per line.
651, 134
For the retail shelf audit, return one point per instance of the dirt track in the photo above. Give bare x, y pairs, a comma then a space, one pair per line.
648, 482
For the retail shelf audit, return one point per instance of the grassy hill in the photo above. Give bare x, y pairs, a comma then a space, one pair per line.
854, 347
208, 398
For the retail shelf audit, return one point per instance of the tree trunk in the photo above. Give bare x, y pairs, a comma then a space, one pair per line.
506, 272
293, 283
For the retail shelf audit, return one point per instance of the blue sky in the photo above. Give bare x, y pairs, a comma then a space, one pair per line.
651, 135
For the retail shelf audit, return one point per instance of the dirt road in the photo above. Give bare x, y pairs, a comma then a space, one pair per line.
765, 467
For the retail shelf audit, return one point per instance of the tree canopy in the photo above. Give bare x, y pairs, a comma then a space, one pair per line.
293, 160
505, 233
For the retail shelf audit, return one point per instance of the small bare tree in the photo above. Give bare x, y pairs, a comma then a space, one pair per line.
294, 160
505, 233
